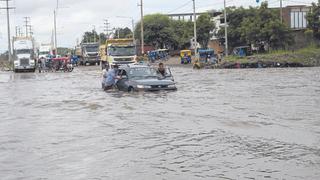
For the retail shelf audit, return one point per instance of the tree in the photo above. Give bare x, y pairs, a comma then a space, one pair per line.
265, 27
90, 37
313, 18
157, 31
256, 26
102, 38
123, 33
183, 32
204, 28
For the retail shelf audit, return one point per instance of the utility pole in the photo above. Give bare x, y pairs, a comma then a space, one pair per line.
26, 21
225, 29
8, 24
55, 26
17, 31
195, 26
106, 27
55, 29
142, 33
94, 34
281, 13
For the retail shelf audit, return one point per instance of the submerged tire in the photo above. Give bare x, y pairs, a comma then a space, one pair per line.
130, 89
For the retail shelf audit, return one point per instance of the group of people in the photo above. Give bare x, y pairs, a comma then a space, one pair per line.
111, 76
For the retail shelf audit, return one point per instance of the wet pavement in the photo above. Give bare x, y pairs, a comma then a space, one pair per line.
220, 124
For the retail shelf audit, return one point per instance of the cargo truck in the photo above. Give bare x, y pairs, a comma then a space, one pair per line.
120, 51
89, 54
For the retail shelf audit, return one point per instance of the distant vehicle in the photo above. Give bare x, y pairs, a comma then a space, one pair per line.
242, 51
185, 56
89, 54
144, 78
24, 54
45, 51
120, 51
207, 57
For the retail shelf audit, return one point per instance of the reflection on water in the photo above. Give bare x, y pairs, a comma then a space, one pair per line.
220, 124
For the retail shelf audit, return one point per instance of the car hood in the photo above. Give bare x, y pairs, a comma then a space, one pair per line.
151, 82
22, 56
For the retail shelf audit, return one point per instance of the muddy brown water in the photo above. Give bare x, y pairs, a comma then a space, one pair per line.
220, 124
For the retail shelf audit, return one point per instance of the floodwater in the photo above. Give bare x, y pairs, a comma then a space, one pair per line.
220, 124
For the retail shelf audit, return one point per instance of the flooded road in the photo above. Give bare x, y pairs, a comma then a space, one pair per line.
220, 124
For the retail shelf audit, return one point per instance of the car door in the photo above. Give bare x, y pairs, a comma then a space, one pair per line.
121, 84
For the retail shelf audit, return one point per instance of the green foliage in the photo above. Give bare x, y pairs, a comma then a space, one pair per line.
123, 33
256, 26
162, 32
183, 32
90, 37
313, 18
157, 31
204, 27
102, 38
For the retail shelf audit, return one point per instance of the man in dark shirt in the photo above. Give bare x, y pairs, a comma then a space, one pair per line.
161, 70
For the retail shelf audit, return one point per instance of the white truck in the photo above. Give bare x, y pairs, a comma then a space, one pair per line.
44, 51
24, 54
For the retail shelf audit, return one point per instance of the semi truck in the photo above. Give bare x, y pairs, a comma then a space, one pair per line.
45, 50
24, 54
89, 54
120, 51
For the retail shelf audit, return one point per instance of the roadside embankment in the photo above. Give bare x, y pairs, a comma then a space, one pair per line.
5, 65
307, 57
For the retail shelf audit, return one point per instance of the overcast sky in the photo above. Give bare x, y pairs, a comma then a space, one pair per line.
77, 16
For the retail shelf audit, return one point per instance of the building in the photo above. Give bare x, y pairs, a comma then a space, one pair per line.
296, 16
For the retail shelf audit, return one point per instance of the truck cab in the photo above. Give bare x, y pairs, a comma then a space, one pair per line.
24, 55
121, 51
90, 53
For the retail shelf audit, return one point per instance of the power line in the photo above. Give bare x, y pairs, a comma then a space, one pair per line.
182, 6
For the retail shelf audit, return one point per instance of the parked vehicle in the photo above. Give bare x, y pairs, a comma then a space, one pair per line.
89, 54
185, 56
24, 54
120, 51
207, 57
62, 64
242, 51
144, 78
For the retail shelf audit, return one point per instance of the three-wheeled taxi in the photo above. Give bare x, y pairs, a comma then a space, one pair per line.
206, 58
185, 56
242, 51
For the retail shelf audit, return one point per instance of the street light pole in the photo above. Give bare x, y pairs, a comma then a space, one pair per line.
8, 24
195, 26
225, 28
55, 30
142, 30
281, 13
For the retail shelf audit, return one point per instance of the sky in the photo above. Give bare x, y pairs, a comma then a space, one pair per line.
77, 16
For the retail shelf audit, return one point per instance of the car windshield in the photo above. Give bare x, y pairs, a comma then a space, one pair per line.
44, 52
23, 51
146, 72
121, 51
142, 72
92, 48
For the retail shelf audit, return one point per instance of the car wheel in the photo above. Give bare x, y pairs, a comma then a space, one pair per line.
130, 89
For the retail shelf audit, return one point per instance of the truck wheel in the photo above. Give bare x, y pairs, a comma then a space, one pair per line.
98, 63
